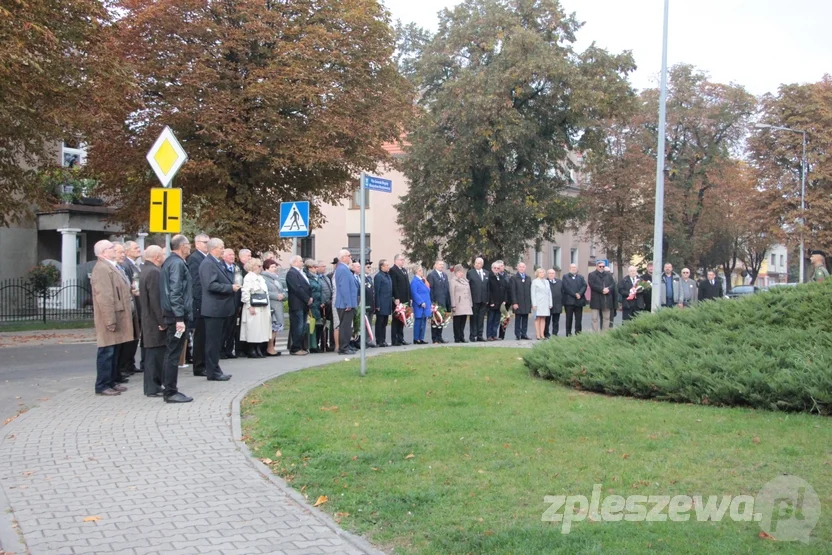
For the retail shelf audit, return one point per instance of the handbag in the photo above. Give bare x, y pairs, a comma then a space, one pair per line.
259, 298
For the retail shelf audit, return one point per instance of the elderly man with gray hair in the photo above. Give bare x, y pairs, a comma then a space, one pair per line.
300, 299
346, 301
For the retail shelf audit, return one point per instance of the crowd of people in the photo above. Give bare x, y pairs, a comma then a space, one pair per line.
223, 305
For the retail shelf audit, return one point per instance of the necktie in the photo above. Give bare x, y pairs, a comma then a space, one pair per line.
123, 273
712, 283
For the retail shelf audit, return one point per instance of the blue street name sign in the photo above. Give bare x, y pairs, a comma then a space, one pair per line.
378, 184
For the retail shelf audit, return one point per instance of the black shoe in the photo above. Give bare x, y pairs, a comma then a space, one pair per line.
220, 378
157, 394
346, 351
199, 374
223, 357
394, 344
480, 340
277, 354
383, 344
231, 355
123, 380
405, 343
178, 398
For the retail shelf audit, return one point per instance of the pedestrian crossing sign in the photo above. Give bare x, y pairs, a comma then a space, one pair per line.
294, 219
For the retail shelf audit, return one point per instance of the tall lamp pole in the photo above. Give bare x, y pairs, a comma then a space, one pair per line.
658, 224
803, 169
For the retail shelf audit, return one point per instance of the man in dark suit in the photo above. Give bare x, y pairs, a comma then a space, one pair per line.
478, 280
497, 286
574, 288
153, 322
630, 307
440, 295
231, 327
346, 301
177, 306
218, 294
384, 301
521, 301
602, 301
198, 343
401, 294
710, 288
556, 286
300, 299
127, 351
133, 268
648, 295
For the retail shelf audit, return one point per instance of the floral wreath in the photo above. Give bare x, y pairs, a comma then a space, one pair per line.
404, 313
439, 317
505, 316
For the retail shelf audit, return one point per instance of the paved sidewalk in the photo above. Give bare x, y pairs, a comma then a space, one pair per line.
131, 474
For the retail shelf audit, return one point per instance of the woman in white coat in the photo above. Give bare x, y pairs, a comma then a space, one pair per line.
256, 317
541, 302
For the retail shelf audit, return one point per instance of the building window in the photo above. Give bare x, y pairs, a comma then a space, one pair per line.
773, 259
306, 247
573, 256
556, 257
355, 200
782, 261
354, 241
73, 154
592, 250
538, 259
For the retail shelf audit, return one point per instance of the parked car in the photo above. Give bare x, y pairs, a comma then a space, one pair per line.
741, 291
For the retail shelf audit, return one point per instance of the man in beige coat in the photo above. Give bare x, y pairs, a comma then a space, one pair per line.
111, 297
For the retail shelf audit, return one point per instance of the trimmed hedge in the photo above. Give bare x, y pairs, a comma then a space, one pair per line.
768, 351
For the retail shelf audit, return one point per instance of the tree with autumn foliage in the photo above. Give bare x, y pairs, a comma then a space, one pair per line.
706, 127
778, 154
272, 101
505, 99
618, 200
50, 66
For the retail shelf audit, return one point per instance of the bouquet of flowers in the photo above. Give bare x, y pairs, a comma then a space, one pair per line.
439, 317
404, 313
635, 291
645, 285
505, 316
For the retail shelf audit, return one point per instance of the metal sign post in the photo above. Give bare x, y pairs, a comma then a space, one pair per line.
363, 301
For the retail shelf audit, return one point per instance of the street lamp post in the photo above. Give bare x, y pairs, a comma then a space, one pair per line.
803, 168
658, 223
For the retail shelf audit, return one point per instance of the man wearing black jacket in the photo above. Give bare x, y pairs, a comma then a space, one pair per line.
556, 286
177, 308
401, 295
574, 288
497, 296
478, 280
710, 288
440, 295
521, 301
300, 299
198, 342
602, 301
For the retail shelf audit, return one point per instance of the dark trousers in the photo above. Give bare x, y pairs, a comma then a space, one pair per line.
228, 335
215, 332
381, 328
459, 329
554, 319
297, 329
475, 327
521, 325
435, 333
575, 313
127, 357
344, 328
154, 358
493, 322
396, 331
628, 313
170, 367
199, 346
106, 365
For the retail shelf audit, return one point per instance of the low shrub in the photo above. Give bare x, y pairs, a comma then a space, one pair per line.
768, 351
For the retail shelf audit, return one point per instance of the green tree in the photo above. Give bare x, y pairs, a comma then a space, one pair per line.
505, 98
272, 101
49, 67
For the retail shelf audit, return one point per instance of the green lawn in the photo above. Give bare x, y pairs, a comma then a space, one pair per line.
452, 450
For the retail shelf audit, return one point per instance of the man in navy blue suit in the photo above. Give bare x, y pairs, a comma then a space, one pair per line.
440, 295
346, 301
218, 296
300, 299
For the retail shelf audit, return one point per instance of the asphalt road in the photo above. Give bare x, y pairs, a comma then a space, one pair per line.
31, 374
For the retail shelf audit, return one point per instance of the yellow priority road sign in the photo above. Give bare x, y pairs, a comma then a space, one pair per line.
166, 156
165, 210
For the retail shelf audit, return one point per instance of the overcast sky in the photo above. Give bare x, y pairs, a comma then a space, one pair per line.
756, 43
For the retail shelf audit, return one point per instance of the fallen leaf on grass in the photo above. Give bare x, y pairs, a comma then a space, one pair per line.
410, 456
321, 500
330, 409
92, 518
267, 461
766, 536
755, 440
624, 456
278, 454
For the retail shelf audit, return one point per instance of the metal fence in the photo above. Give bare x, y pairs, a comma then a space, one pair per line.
20, 301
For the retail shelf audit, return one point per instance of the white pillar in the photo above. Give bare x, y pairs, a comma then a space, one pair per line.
140, 240
69, 266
